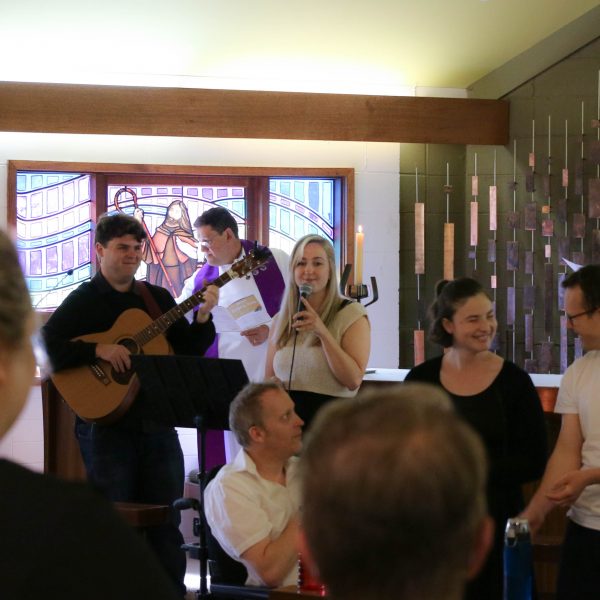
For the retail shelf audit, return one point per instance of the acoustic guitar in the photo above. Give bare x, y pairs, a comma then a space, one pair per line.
99, 394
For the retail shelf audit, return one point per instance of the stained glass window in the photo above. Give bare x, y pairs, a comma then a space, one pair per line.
55, 218
168, 214
54, 225
298, 207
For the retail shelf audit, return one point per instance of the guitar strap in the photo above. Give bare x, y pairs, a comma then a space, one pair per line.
151, 304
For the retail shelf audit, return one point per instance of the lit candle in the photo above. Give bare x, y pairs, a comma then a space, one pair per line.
358, 261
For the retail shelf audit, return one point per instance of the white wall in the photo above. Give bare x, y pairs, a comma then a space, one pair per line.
376, 203
24, 443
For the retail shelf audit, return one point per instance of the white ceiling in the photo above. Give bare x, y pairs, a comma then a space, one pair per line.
375, 46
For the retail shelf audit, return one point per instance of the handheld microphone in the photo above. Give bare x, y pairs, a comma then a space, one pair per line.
305, 291
53, 288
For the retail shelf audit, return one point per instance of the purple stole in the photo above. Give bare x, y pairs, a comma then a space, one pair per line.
269, 281
271, 286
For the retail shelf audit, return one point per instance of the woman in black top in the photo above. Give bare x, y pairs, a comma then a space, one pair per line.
497, 398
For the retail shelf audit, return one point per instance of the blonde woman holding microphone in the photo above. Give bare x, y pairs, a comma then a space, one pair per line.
320, 344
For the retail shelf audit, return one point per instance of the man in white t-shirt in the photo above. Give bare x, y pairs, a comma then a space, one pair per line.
252, 504
572, 476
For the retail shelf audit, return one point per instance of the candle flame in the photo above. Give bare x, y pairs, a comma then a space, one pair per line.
360, 229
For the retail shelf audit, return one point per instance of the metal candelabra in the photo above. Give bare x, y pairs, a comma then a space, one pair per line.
359, 291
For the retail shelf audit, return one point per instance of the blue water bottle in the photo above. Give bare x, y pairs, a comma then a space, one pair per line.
518, 561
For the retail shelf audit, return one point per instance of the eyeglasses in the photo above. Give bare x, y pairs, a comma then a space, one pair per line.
585, 312
209, 243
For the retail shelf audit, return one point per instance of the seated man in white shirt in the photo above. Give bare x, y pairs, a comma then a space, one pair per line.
252, 504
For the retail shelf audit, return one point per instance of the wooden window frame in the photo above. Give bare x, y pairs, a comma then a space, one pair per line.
255, 179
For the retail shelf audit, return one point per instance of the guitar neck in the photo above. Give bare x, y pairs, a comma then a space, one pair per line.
160, 325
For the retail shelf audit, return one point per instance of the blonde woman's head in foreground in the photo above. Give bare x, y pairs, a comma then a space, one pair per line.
17, 362
393, 496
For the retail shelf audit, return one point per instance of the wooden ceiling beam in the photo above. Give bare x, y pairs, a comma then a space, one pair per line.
93, 109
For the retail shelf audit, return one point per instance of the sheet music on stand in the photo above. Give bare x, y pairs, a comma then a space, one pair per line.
179, 389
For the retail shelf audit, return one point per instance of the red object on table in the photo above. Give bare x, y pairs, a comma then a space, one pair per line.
308, 581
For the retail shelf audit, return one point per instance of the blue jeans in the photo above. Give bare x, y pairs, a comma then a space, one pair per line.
140, 466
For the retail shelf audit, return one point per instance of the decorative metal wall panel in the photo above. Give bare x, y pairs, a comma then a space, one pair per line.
512, 219
528, 262
548, 298
512, 256
531, 365
545, 358
528, 318
594, 199
547, 227
578, 225
578, 188
473, 223
594, 156
596, 246
530, 216
528, 297
561, 211
419, 238
491, 254
449, 251
510, 305
419, 342
493, 208
542, 227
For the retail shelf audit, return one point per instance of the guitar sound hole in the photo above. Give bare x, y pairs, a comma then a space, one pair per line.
124, 378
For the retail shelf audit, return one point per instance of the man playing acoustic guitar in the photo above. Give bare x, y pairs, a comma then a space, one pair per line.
134, 459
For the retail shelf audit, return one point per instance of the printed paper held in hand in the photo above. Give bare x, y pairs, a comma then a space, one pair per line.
242, 314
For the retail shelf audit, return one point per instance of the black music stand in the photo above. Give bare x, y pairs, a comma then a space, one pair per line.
189, 391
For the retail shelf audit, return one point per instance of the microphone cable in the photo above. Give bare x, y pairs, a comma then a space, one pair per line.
52, 288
